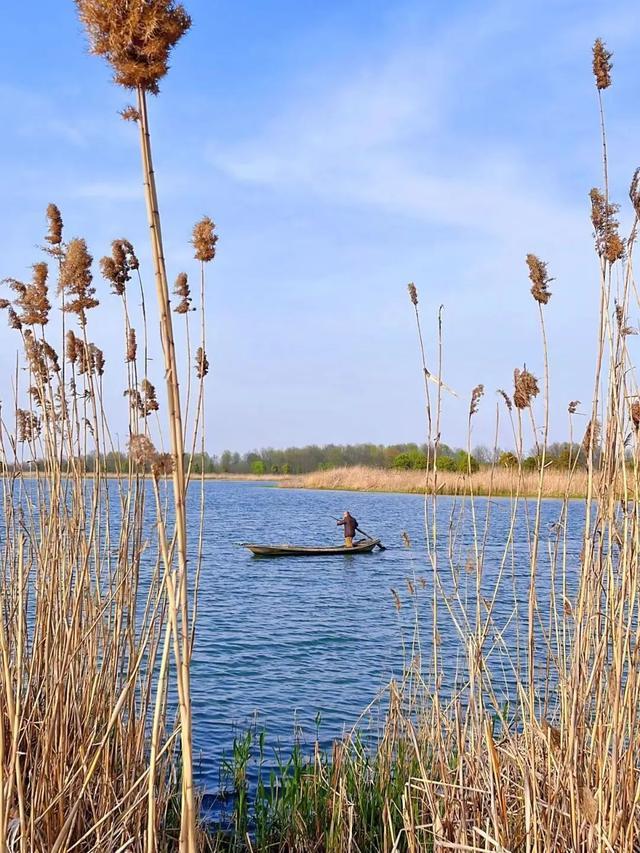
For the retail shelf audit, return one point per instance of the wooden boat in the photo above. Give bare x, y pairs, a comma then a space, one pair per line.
364, 546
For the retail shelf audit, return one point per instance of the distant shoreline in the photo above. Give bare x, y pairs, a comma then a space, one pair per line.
497, 482
492, 482
112, 475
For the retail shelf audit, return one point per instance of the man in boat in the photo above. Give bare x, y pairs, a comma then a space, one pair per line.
350, 525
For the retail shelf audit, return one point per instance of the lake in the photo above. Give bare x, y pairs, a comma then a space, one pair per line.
283, 640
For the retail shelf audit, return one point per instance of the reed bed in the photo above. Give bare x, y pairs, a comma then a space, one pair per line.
98, 610
496, 482
89, 639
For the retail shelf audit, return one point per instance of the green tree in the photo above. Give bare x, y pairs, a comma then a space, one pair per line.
508, 460
402, 461
257, 467
466, 463
446, 463
411, 460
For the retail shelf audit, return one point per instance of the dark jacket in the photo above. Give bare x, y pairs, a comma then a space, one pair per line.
350, 525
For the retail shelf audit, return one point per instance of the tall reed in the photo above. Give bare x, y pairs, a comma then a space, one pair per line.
87, 753
136, 38
97, 627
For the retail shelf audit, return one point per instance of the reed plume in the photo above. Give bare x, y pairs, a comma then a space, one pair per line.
204, 240
97, 359
476, 394
36, 356
591, 439
148, 395
202, 363
539, 279
130, 113
141, 450
14, 320
525, 388
28, 425
32, 299
54, 235
413, 294
162, 465
136, 37
51, 355
506, 398
634, 191
609, 244
601, 64
117, 269
182, 289
132, 346
75, 280
73, 347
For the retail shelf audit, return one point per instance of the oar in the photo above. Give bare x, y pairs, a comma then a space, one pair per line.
364, 533
378, 545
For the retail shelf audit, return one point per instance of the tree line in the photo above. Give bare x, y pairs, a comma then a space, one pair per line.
313, 457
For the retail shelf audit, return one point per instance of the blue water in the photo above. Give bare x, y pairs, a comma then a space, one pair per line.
282, 640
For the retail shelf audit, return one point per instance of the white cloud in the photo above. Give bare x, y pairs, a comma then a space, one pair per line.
379, 139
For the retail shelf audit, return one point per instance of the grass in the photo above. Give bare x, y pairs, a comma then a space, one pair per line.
349, 798
494, 482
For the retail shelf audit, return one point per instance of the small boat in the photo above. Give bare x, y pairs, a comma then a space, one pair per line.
364, 546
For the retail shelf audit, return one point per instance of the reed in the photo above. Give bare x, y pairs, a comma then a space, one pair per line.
86, 585
90, 601
97, 627
488, 482
136, 38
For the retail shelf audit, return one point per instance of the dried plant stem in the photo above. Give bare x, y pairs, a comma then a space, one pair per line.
158, 715
188, 816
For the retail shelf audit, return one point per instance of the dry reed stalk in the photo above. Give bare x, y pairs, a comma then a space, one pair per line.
188, 830
575, 787
78, 643
136, 39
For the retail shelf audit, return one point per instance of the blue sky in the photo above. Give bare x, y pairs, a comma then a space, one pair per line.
343, 149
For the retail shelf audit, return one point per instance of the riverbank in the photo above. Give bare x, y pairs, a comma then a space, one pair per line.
239, 478
491, 482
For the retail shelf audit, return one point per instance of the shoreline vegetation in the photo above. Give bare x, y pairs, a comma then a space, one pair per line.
486, 482
483, 483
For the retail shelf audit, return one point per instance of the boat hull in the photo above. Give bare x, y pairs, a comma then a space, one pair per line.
363, 547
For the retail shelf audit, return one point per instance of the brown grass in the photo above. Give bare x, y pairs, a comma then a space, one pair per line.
496, 482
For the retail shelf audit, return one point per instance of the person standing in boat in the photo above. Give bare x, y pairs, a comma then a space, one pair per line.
350, 525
